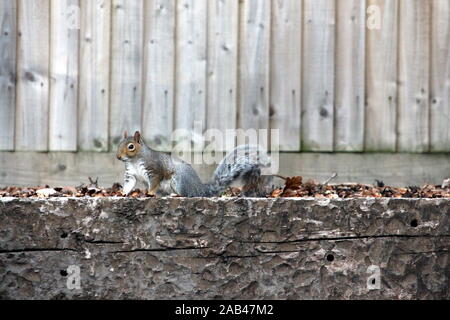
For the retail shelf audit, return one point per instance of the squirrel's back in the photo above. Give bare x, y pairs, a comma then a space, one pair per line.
187, 182
243, 167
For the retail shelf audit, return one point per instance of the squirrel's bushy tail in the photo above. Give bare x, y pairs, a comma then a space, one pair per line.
242, 167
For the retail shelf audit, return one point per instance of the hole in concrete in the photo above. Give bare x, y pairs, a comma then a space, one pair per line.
330, 257
63, 273
414, 223
64, 234
373, 281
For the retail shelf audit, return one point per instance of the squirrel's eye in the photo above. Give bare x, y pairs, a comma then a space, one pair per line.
131, 147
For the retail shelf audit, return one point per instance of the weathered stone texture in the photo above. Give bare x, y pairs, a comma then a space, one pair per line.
226, 248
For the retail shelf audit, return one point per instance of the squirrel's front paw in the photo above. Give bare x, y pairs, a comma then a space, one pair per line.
126, 190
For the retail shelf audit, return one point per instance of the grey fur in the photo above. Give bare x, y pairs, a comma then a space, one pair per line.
240, 166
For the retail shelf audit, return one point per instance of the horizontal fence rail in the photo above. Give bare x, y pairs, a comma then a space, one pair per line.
347, 75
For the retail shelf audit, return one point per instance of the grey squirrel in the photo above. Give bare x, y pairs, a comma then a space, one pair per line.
159, 170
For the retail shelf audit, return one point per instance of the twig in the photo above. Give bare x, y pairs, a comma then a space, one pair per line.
279, 176
80, 186
334, 175
93, 183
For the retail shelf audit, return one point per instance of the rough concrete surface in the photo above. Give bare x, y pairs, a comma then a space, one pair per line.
224, 248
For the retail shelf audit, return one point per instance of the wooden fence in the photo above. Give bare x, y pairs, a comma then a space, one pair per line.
345, 75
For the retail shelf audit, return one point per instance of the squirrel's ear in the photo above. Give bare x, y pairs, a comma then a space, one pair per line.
137, 137
125, 134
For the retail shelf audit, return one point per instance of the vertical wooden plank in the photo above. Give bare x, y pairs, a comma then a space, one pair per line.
93, 105
254, 72
64, 35
223, 21
285, 73
33, 75
318, 75
191, 68
350, 46
254, 65
440, 76
381, 76
159, 74
414, 55
126, 68
8, 31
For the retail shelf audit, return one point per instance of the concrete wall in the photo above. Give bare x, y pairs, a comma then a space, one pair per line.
178, 248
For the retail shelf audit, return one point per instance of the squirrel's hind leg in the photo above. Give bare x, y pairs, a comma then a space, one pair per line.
153, 185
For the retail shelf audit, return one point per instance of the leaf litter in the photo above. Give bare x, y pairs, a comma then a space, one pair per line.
293, 187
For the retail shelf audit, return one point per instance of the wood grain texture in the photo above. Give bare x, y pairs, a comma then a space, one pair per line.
350, 57
94, 75
64, 35
126, 68
159, 77
225, 249
33, 75
223, 24
414, 68
322, 72
8, 32
254, 55
440, 77
381, 76
318, 75
285, 72
191, 54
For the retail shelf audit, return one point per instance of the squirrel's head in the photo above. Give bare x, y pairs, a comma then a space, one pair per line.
129, 147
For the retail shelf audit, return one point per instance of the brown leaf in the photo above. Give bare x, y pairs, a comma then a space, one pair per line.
293, 183
276, 193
